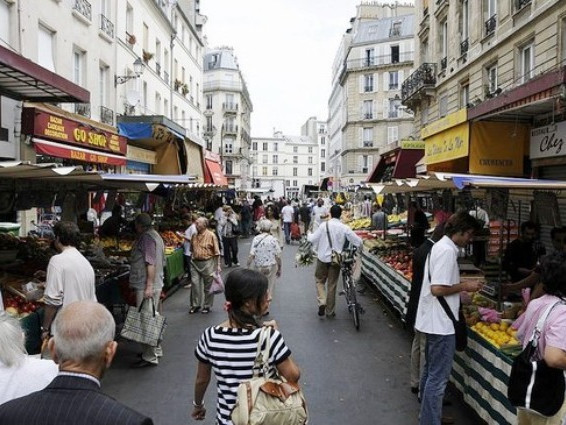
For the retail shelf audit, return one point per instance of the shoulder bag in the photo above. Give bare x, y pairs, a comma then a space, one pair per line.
335, 257
268, 401
533, 385
460, 326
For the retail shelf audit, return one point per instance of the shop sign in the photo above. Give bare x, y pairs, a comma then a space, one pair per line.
449, 121
141, 155
412, 144
450, 144
548, 141
85, 155
54, 127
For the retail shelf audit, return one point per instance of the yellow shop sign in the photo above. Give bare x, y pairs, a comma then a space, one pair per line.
412, 144
449, 121
447, 145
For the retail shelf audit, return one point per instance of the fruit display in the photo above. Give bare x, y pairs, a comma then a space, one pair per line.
9, 242
171, 239
123, 243
18, 307
498, 334
401, 261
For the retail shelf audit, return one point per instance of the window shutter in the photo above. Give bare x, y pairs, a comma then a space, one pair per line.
375, 80
385, 108
370, 163
360, 163
401, 78
361, 137
361, 83
385, 81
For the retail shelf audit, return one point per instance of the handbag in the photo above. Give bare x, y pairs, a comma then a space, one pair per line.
268, 401
335, 257
460, 326
143, 325
533, 385
217, 286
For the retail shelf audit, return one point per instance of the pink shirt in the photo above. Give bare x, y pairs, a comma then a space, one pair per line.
554, 329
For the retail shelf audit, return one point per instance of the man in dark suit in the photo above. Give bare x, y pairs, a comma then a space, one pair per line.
83, 346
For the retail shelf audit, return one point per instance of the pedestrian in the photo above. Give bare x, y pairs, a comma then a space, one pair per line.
265, 255
147, 263
418, 223
442, 278
70, 277
551, 345
319, 213
330, 236
258, 210
113, 224
379, 219
228, 231
187, 236
20, 374
246, 218
305, 216
366, 207
229, 349
273, 216
206, 262
287, 213
83, 345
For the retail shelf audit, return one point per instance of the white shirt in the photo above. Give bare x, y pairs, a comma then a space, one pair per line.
287, 213
317, 212
339, 233
31, 376
218, 214
481, 214
189, 233
265, 249
431, 317
70, 277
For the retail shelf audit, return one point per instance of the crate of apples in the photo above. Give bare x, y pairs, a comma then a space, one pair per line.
18, 307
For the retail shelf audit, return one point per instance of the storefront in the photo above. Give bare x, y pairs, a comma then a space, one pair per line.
213, 169
398, 163
547, 151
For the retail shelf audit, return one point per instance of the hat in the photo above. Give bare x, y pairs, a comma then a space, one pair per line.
143, 219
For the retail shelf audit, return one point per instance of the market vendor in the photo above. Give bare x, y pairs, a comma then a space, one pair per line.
70, 277
522, 255
112, 225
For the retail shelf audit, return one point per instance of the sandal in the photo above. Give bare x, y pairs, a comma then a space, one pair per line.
205, 310
193, 310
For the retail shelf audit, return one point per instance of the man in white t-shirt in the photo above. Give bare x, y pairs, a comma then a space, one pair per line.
187, 236
70, 277
442, 278
319, 212
287, 214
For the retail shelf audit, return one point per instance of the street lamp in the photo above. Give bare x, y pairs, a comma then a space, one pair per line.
139, 67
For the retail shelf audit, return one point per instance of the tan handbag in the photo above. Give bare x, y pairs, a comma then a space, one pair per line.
335, 257
268, 401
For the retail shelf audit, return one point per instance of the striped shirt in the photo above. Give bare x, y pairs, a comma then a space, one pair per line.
205, 245
231, 353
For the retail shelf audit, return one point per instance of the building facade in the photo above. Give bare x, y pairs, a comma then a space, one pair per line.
318, 131
366, 117
227, 110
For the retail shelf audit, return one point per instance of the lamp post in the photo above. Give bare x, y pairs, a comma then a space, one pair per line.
139, 67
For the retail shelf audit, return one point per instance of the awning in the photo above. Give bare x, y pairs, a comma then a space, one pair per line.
22, 79
406, 161
214, 174
59, 150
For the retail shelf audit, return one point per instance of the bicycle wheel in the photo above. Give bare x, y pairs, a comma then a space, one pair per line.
354, 304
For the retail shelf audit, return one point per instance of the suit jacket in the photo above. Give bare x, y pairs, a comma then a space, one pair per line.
69, 400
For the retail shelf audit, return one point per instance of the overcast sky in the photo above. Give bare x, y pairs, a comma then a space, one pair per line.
285, 49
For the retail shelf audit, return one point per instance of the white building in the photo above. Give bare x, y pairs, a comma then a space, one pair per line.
228, 109
318, 131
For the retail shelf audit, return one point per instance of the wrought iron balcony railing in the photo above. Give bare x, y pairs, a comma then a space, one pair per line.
158, 68
522, 3
423, 77
82, 109
490, 25
379, 60
106, 115
106, 26
166, 76
393, 86
230, 107
230, 129
464, 45
84, 8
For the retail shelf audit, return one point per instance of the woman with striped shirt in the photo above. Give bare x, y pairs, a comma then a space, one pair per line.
229, 349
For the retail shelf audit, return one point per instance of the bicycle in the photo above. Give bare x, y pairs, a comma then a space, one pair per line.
349, 292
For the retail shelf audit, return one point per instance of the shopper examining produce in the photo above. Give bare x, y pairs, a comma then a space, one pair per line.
522, 255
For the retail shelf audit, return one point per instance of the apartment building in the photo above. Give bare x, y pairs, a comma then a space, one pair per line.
227, 111
317, 131
365, 114
488, 85
287, 162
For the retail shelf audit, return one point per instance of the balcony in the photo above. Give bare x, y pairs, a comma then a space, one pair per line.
230, 129
464, 45
82, 109
368, 115
374, 61
106, 26
490, 25
393, 113
84, 8
522, 3
209, 131
368, 89
417, 86
106, 115
393, 86
443, 63
368, 144
230, 107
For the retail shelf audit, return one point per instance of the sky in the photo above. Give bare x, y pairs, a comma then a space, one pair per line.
285, 49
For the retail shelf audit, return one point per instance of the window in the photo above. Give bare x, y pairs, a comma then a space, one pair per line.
322, 167
229, 167
490, 13
527, 62
274, 171
275, 159
394, 54
443, 106
444, 44
491, 79
264, 159
157, 104
394, 108
158, 57
464, 95
264, 146
365, 163
145, 37
295, 149
392, 134
103, 85
368, 83
276, 146
309, 172
295, 159
295, 183
395, 30
295, 171
287, 183
310, 159
45, 48
368, 109
254, 146
323, 141
78, 66
393, 80
208, 101
228, 146
367, 137
369, 57
323, 153
464, 21
4, 22
264, 171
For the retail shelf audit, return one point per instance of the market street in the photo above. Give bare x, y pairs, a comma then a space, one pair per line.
348, 377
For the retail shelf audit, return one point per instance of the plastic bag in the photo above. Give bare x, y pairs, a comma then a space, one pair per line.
217, 286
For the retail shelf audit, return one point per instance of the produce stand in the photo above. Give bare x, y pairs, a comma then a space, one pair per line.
174, 268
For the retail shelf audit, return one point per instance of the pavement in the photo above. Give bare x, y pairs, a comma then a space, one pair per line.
348, 376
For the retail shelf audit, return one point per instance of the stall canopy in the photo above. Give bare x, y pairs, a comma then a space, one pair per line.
214, 174
22, 79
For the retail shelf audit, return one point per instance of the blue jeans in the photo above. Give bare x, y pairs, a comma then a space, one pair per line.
439, 354
287, 230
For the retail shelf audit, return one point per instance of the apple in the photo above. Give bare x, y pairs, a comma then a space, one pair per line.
12, 311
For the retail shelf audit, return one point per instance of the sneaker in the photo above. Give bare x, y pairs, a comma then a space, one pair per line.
236, 264
331, 315
321, 310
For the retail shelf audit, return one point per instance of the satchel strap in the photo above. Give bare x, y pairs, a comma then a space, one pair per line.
441, 298
261, 361
152, 305
328, 235
542, 319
